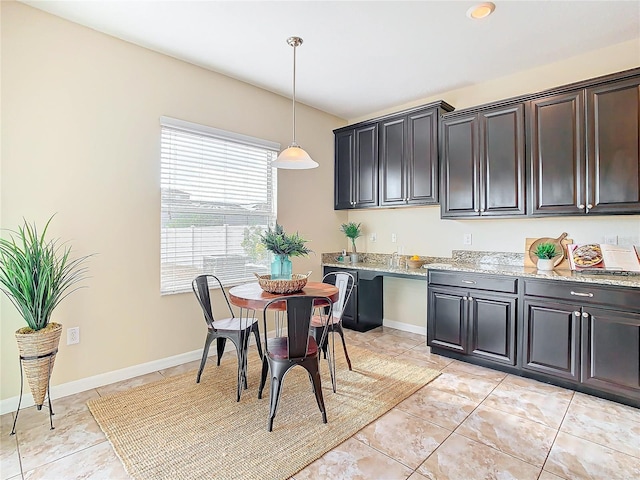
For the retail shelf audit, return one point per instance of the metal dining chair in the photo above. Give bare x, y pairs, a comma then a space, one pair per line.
345, 283
295, 346
236, 329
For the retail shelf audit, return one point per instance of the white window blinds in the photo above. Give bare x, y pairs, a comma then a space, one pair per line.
218, 195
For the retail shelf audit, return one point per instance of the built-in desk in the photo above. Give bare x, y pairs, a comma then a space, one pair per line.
365, 309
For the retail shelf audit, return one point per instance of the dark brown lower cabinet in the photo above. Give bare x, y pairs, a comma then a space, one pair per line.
474, 323
576, 335
364, 309
551, 340
611, 350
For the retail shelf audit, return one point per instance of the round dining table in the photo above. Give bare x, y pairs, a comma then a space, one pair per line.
250, 296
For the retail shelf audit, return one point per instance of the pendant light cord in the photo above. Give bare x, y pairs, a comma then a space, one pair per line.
294, 95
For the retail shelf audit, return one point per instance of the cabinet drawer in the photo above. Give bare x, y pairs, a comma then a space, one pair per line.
474, 281
346, 270
627, 298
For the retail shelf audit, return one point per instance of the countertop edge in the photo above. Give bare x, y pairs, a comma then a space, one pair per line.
631, 281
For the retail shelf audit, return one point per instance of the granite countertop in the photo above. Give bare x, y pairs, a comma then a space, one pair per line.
460, 262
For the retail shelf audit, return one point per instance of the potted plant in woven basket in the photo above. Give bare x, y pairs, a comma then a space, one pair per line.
37, 274
283, 247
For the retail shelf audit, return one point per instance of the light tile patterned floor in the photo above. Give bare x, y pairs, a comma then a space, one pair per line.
470, 423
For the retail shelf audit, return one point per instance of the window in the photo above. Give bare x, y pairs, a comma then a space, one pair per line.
218, 195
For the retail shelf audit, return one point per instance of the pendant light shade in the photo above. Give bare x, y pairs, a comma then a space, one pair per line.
294, 157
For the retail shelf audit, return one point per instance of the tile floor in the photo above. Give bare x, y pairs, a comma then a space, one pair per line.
469, 423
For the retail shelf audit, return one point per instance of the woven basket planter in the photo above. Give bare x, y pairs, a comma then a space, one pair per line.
38, 370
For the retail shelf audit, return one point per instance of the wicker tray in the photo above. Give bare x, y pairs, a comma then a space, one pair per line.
297, 283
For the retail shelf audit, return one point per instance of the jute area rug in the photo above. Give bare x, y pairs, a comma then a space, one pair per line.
177, 429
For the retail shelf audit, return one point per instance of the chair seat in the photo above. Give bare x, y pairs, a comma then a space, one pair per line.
318, 321
278, 347
234, 323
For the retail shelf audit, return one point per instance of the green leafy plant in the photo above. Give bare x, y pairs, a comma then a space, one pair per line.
352, 231
546, 250
277, 241
37, 274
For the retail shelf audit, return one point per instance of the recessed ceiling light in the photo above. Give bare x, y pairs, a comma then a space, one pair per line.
481, 10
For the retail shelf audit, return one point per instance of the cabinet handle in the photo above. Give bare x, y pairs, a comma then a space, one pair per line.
576, 313
585, 314
579, 294
581, 206
475, 209
465, 298
589, 205
471, 299
469, 282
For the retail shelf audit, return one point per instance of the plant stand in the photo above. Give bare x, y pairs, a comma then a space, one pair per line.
36, 357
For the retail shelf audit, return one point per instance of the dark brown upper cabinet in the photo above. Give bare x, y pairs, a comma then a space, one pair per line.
409, 159
356, 167
482, 161
584, 150
390, 160
613, 142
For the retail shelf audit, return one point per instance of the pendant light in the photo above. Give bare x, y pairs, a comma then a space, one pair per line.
294, 157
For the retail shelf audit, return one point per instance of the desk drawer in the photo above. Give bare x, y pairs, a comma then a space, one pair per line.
495, 283
578, 292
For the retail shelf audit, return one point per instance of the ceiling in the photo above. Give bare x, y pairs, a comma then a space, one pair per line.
360, 57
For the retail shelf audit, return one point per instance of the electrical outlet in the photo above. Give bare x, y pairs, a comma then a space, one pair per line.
466, 239
73, 335
611, 239
373, 237
394, 238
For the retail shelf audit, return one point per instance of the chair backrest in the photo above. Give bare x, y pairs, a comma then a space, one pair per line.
345, 282
299, 311
201, 286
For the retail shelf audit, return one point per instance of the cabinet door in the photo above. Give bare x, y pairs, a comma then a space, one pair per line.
343, 172
447, 320
350, 312
422, 157
366, 167
492, 325
557, 154
460, 165
551, 339
613, 147
502, 161
611, 351
393, 161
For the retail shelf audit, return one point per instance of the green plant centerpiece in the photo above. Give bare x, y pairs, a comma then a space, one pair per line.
546, 253
283, 247
352, 231
36, 274
546, 250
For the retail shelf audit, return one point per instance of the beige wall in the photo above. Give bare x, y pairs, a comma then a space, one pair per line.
80, 137
421, 231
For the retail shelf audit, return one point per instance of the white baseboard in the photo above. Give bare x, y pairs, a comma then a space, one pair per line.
405, 327
57, 391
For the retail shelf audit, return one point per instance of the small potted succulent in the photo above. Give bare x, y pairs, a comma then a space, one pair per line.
546, 252
283, 246
352, 231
